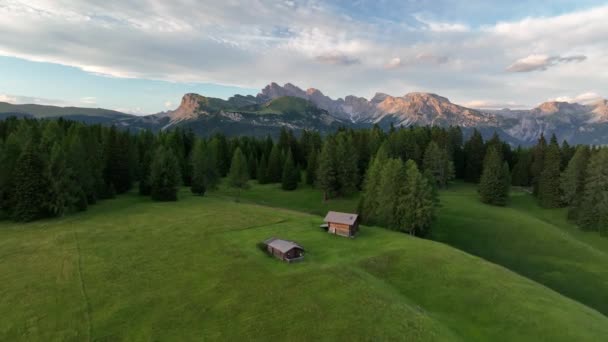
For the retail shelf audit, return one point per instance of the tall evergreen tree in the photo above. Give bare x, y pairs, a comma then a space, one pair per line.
416, 206
198, 185
594, 209
437, 162
494, 182
65, 191
275, 165
572, 181
262, 170
548, 184
164, 175
31, 186
521, 170
291, 174
327, 173
567, 152
346, 162
238, 176
474, 155
312, 166
538, 162
389, 192
11, 152
369, 200
117, 173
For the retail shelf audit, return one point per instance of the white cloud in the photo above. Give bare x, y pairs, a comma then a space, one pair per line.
491, 104
584, 98
8, 98
393, 63
308, 43
168, 104
19, 99
441, 27
89, 100
542, 62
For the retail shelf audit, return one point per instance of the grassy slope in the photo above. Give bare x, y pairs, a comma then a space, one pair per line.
538, 243
130, 269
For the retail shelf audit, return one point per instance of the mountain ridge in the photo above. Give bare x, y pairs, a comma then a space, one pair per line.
290, 106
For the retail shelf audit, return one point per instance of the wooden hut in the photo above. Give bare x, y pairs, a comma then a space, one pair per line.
285, 250
343, 224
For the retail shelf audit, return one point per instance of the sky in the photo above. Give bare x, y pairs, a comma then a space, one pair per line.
141, 56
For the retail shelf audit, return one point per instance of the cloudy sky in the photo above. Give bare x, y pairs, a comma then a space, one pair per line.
142, 56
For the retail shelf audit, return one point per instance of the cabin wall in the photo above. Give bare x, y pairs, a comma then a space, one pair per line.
340, 229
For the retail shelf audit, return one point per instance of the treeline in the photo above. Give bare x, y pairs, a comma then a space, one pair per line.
53, 167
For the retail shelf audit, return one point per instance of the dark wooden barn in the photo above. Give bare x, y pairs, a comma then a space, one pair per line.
343, 224
285, 250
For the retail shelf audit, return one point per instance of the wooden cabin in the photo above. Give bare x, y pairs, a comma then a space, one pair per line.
343, 224
284, 250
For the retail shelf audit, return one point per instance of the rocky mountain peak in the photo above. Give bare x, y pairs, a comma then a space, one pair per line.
554, 107
379, 97
187, 109
425, 97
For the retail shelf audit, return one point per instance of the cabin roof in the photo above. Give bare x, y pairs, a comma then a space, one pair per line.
342, 218
282, 245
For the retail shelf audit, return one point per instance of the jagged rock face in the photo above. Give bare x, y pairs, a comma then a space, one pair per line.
413, 108
429, 109
600, 112
187, 110
555, 107
575, 122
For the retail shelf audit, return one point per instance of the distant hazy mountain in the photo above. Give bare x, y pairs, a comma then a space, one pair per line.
290, 106
40, 111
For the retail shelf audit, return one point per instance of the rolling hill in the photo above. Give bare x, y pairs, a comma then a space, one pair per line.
537, 243
191, 270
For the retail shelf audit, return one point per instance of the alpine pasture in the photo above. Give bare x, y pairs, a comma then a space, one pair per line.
133, 269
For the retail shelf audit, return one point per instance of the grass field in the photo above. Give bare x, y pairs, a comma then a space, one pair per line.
538, 243
132, 269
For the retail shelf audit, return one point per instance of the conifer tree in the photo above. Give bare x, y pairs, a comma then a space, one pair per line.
437, 162
312, 166
291, 175
275, 165
164, 175
31, 186
262, 170
327, 173
65, 192
416, 206
198, 168
238, 176
594, 209
346, 162
572, 181
389, 191
117, 173
494, 182
252, 166
567, 152
538, 160
79, 163
369, 200
474, 155
11, 152
548, 184
521, 170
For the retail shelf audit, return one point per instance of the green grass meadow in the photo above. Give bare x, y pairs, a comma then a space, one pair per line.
135, 270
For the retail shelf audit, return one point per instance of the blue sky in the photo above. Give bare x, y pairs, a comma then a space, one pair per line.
142, 56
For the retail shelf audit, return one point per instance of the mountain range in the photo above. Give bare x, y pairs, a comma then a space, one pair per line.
292, 107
